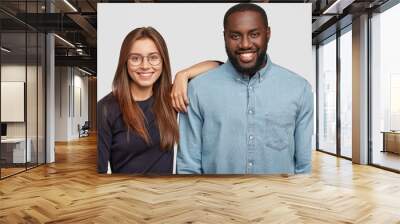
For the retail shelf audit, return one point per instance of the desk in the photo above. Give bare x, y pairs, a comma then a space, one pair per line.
391, 141
15, 148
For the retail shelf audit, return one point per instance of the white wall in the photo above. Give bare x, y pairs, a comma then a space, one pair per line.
194, 32
62, 82
80, 83
34, 124
16, 72
67, 115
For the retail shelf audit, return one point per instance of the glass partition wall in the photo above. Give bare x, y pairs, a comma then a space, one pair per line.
345, 60
13, 86
327, 96
334, 75
334, 84
385, 89
22, 87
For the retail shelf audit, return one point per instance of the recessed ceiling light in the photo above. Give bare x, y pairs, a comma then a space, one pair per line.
5, 50
337, 7
70, 5
64, 40
84, 71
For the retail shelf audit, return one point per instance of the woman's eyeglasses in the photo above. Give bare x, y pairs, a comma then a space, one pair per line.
137, 59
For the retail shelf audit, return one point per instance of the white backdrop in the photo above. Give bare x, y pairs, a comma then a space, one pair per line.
194, 32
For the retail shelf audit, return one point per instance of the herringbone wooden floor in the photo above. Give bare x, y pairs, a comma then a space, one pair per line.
70, 191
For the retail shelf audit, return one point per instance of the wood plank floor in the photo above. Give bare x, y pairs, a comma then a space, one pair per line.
388, 159
10, 171
70, 191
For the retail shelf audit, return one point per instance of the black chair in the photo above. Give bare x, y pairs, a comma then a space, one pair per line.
84, 130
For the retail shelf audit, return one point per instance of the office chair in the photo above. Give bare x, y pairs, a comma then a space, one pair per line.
84, 130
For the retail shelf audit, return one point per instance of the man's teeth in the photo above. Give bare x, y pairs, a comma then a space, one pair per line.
246, 56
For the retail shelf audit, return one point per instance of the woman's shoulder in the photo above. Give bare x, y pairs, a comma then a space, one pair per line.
109, 99
108, 103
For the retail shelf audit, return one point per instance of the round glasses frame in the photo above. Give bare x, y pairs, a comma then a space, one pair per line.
137, 59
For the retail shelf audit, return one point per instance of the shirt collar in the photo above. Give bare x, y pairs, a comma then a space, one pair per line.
260, 74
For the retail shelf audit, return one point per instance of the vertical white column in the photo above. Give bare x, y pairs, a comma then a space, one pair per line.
50, 93
360, 90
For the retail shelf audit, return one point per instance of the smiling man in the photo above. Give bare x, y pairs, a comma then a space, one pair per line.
248, 115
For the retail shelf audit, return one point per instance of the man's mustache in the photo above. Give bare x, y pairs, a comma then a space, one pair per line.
244, 51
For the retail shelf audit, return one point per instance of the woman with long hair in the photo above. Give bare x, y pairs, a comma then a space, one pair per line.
137, 125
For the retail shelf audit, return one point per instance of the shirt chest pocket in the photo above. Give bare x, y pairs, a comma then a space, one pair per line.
278, 129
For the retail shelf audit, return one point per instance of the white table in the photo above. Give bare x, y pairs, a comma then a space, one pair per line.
18, 149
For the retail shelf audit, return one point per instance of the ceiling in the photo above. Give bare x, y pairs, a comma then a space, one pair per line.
76, 22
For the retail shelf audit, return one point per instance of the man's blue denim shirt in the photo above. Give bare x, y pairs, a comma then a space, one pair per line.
237, 125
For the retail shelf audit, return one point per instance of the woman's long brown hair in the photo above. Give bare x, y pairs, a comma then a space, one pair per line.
164, 113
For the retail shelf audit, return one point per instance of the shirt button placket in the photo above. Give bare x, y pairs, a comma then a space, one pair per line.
251, 138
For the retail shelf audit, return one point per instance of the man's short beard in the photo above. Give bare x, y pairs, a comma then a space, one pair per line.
247, 71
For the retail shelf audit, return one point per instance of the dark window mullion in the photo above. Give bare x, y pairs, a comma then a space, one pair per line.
45, 73
37, 91
338, 92
26, 87
369, 90
317, 97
